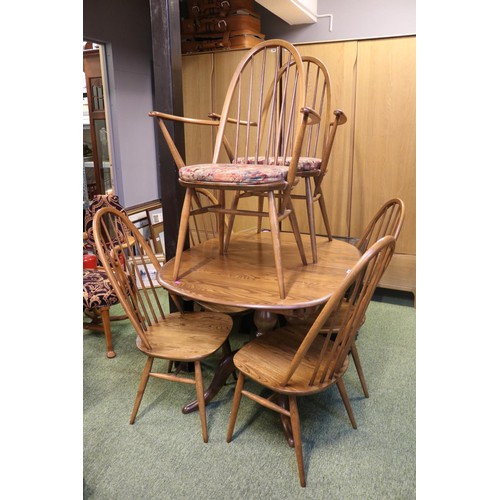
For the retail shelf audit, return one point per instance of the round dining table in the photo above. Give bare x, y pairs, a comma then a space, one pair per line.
246, 277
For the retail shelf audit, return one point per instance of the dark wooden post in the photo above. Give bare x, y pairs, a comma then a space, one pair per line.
167, 97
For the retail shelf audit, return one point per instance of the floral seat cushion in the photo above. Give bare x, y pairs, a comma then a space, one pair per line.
97, 289
234, 174
305, 163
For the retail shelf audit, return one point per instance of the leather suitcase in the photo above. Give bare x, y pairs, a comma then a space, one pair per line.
247, 21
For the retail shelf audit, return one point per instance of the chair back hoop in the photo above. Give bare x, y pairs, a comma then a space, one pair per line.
132, 267
245, 130
387, 221
319, 98
363, 278
99, 201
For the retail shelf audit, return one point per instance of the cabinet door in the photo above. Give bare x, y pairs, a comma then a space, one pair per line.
384, 136
340, 59
198, 96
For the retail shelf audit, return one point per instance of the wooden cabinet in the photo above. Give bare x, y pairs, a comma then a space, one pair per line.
374, 156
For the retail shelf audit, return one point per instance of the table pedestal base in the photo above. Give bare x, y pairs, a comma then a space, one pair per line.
222, 372
264, 320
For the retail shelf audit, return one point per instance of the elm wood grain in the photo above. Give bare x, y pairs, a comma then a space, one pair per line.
246, 277
296, 362
178, 337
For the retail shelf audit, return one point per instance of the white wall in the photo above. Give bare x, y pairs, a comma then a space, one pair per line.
352, 19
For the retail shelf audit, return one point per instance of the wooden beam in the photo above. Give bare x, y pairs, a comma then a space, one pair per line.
167, 98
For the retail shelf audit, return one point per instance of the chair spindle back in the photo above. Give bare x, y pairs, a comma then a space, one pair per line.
363, 278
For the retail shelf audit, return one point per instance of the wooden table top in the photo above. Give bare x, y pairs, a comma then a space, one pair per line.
246, 276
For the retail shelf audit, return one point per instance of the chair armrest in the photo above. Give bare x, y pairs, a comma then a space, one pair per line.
313, 116
179, 161
183, 119
216, 116
341, 117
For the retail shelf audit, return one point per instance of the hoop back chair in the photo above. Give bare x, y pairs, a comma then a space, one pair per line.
388, 221
183, 337
293, 361
98, 293
316, 148
247, 129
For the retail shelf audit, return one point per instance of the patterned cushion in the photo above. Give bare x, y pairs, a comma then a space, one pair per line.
97, 289
234, 174
305, 164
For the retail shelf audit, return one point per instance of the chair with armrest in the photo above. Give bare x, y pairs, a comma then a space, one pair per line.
245, 131
316, 148
98, 293
294, 361
180, 337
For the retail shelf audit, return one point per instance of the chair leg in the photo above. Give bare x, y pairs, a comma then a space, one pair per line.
296, 233
275, 237
106, 324
357, 364
310, 217
261, 209
294, 417
326, 221
236, 406
183, 228
142, 387
201, 400
347, 403
230, 223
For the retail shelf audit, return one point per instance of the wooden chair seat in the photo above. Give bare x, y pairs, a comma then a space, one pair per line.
169, 338
259, 361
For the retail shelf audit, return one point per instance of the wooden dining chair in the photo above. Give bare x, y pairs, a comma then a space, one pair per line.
388, 221
247, 130
316, 148
293, 362
98, 293
180, 337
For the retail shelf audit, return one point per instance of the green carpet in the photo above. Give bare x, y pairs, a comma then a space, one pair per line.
162, 456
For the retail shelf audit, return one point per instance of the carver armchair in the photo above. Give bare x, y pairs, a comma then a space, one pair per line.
249, 127
316, 148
